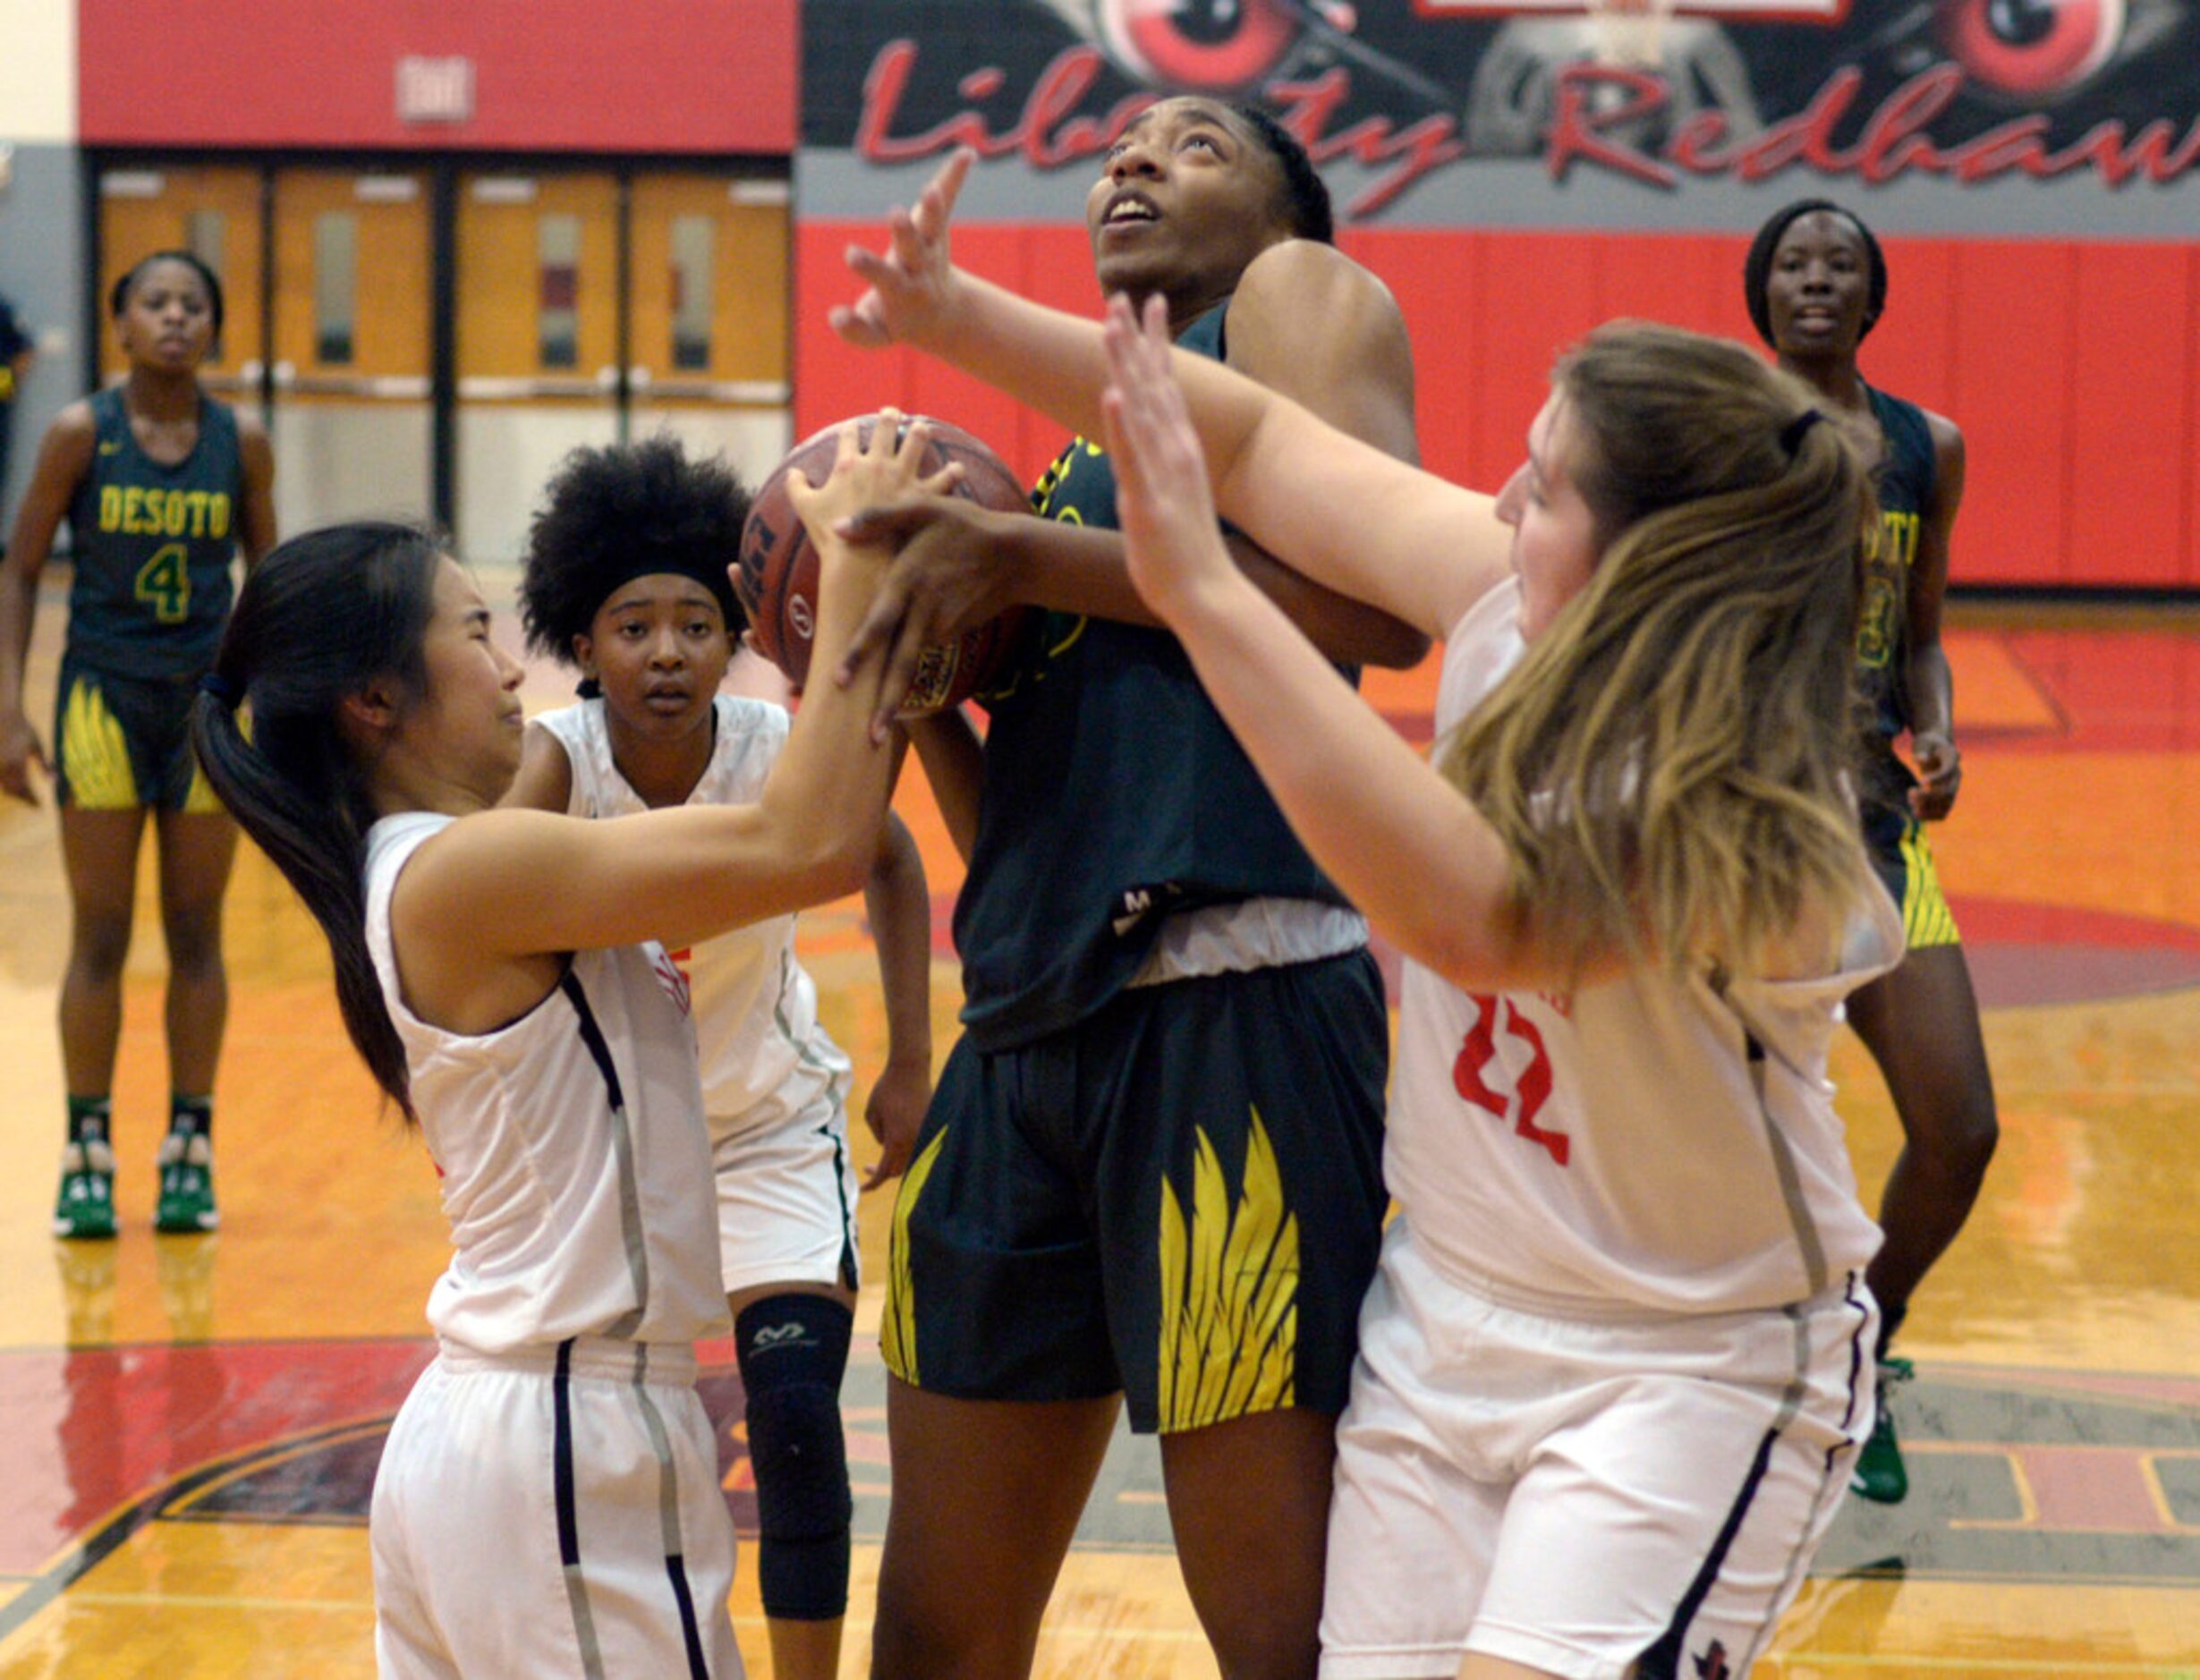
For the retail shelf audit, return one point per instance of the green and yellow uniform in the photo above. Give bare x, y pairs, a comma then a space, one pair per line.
1148, 1167
153, 548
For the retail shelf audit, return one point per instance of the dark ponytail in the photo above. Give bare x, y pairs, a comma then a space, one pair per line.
319, 619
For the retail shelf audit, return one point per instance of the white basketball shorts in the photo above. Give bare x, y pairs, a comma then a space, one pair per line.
1577, 1497
786, 1195
553, 1514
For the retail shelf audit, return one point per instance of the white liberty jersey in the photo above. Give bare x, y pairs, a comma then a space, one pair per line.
1646, 1146
764, 1056
576, 1172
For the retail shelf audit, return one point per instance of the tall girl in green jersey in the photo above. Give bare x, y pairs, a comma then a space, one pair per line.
1815, 281
163, 487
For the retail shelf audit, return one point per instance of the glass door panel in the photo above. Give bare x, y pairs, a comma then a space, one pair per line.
708, 339
353, 302
538, 343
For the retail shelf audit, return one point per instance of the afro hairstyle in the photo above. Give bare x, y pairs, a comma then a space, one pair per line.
623, 512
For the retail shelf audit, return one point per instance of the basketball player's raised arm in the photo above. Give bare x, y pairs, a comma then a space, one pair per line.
1304, 319
474, 893
1291, 482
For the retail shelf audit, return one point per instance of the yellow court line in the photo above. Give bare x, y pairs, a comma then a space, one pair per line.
78, 1597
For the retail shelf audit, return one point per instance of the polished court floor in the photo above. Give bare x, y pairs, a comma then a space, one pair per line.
189, 1425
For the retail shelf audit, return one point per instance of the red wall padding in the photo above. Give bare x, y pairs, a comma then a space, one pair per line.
659, 75
2071, 367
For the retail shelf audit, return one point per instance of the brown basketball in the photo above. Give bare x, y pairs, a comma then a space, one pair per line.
777, 577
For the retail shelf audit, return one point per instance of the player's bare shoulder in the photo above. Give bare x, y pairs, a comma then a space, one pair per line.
1302, 293
1947, 458
1946, 439
1308, 321
72, 434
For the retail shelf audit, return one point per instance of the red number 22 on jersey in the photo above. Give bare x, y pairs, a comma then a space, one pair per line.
1530, 1090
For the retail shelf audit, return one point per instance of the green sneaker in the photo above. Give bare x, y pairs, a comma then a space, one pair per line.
186, 1204
1880, 1475
85, 1207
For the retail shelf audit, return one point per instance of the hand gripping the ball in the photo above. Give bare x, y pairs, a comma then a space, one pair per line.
777, 575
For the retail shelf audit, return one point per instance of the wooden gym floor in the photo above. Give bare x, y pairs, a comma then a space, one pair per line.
189, 1425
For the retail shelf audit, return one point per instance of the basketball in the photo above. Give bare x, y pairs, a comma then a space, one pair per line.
776, 579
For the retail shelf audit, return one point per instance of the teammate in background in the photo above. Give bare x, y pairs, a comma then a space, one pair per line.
1815, 281
1612, 1373
548, 1499
17, 352
162, 487
626, 579
1152, 1173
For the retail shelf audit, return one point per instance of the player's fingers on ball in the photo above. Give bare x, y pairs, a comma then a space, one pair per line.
878, 624
901, 671
913, 445
877, 443
880, 522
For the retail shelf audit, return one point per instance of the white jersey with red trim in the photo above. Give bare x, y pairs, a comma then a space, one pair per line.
576, 1171
1648, 1145
764, 1056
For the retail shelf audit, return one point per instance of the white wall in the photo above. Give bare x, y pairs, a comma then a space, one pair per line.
37, 72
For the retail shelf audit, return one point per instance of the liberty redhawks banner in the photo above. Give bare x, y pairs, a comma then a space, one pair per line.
2041, 117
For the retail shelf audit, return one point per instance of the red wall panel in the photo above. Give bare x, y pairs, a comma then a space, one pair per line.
2132, 315
1912, 350
1437, 283
2189, 577
2015, 338
2071, 368
658, 75
1538, 295
832, 379
949, 392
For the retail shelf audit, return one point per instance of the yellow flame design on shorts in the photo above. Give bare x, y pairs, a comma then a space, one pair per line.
95, 755
1229, 1292
1926, 919
898, 1328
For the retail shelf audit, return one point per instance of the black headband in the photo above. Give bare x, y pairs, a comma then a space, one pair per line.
649, 561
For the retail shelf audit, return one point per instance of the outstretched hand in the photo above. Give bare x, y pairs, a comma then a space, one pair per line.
1163, 502
911, 283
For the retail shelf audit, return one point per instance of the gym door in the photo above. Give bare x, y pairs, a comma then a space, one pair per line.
352, 305
710, 334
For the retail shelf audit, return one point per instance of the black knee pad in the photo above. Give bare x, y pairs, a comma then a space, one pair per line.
793, 1349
